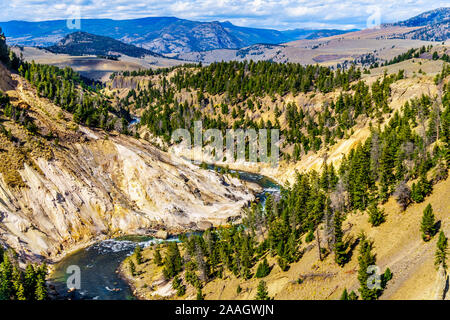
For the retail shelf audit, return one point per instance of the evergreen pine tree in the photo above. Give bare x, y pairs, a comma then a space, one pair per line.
352, 296
365, 259
387, 276
17, 282
172, 261
132, 267
376, 216
29, 282
20, 292
157, 259
344, 295
262, 293
3, 48
427, 225
138, 254
6, 286
441, 251
263, 269
340, 248
416, 192
426, 186
41, 289
200, 295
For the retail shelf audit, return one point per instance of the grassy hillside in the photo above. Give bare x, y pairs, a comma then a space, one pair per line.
397, 243
98, 68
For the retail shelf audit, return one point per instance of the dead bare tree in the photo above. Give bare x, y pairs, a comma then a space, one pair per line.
422, 119
201, 263
375, 153
318, 244
437, 109
338, 197
403, 195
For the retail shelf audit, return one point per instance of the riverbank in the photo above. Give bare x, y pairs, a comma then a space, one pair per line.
95, 253
105, 255
128, 280
147, 284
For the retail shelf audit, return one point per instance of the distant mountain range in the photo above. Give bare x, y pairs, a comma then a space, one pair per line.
164, 35
82, 43
174, 36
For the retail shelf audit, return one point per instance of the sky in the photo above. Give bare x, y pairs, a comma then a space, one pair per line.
273, 14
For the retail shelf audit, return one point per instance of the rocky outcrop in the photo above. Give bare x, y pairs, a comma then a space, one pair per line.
441, 284
92, 185
6, 82
161, 234
120, 82
109, 187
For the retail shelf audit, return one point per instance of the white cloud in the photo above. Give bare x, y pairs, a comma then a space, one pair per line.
180, 6
277, 14
302, 11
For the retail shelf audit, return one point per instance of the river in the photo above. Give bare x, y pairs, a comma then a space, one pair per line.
99, 262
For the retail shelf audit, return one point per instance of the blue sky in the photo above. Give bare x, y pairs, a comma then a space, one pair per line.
277, 14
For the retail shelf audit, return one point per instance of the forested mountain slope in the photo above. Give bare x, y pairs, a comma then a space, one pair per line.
397, 243
371, 149
83, 43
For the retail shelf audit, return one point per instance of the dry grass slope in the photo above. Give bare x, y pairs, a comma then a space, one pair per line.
397, 244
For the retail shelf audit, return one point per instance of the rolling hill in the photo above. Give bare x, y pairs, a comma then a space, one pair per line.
94, 67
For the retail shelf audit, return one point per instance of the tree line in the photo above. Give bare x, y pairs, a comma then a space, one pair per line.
16, 284
240, 80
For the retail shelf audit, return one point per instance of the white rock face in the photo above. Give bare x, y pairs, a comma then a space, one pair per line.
441, 284
106, 187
